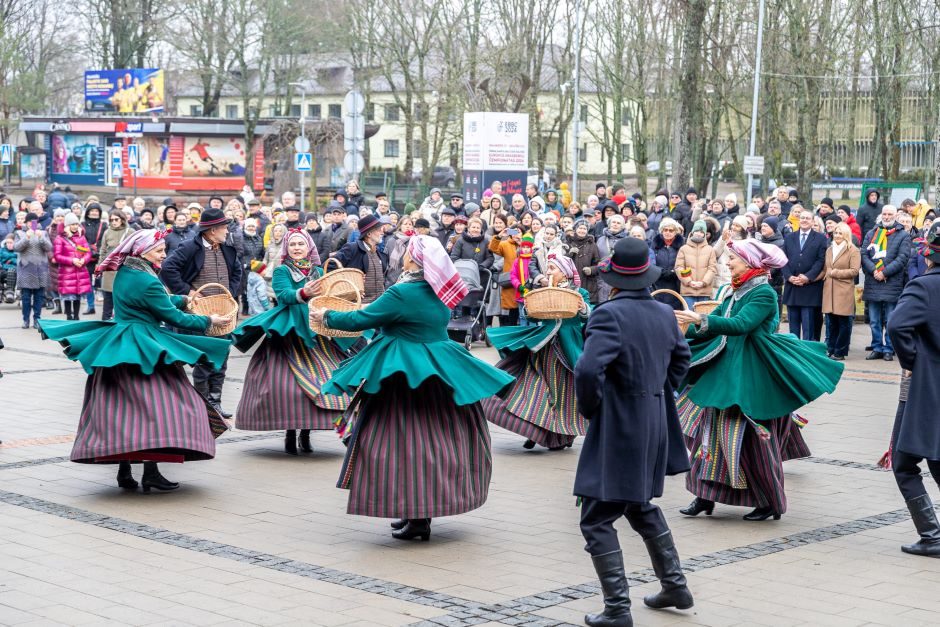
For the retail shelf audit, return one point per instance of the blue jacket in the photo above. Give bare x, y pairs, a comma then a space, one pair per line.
183, 265
809, 262
257, 293
895, 266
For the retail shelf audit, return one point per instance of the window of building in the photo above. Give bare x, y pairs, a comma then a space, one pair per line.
417, 149
582, 153
295, 111
370, 111
273, 111
584, 114
624, 152
314, 111
335, 111
231, 112
421, 111
391, 148
195, 110
392, 112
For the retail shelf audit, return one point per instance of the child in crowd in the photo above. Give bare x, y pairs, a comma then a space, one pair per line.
8, 270
257, 291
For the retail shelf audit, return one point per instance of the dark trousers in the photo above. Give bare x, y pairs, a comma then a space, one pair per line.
32, 301
840, 334
803, 321
511, 319
107, 306
906, 467
208, 380
598, 518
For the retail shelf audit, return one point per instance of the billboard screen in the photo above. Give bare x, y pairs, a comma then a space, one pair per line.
124, 91
75, 154
214, 156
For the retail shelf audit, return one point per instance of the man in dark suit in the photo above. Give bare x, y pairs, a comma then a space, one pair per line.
206, 258
915, 334
803, 288
634, 356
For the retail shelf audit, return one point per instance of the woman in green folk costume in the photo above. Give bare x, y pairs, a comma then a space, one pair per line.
738, 402
420, 447
139, 405
284, 379
540, 405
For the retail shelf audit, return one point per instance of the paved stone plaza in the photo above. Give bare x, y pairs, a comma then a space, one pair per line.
257, 537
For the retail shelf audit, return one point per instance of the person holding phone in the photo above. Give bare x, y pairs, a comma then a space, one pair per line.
506, 245
33, 247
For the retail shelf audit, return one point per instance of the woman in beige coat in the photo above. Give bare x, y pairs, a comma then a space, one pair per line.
843, 262
696, 266
118, 230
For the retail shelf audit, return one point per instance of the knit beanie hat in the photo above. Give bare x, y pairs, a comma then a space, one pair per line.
662, 201
772, 221
699, 226
528, 239
61, 213
71, 219
256, 266
409, 207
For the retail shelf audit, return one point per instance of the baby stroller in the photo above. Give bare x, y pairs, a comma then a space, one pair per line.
8, 285
468, 322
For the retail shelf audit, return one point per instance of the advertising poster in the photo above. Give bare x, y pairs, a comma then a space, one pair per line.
124, 91
214, 156
33, 166
495, 148
154, 156
75, 154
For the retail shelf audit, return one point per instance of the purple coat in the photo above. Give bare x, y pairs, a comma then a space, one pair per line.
73, 279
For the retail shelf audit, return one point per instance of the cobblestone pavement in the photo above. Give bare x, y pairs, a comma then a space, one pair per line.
257, 537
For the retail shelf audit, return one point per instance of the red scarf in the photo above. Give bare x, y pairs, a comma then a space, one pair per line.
736, 283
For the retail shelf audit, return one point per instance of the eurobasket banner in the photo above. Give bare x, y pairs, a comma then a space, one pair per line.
124, 91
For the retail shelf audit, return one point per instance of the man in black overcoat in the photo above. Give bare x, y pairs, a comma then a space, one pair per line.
207, 258
803, 289
634, 356
914, 328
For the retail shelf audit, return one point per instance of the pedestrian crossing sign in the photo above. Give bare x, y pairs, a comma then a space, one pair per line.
116, 169
303, 162
6, 154
132, 156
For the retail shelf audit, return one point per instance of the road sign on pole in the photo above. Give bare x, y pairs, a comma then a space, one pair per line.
6, 154
353, 163
355, 103
303, 162
754, 166
133, 157
302, 144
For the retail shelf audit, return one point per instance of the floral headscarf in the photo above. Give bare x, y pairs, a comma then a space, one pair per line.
140, 243
439, 270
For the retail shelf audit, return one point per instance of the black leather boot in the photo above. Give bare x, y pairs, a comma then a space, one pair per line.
290, 442
56, 306
925, 521
609, 569
416, 528
304, 441
215, 399
668, 569
398, 524
697, 506
153, 479
761, 513
125, 479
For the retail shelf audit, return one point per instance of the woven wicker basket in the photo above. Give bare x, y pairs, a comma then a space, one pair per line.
330, 301
705, 307
350, 280
683, 326
216, 304
552, 303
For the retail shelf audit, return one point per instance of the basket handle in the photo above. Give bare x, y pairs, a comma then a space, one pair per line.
339, 265
685, 305
218, 285
329, 290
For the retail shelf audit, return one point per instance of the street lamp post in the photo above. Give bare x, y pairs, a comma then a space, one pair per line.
303, 109
756, 96
576, 114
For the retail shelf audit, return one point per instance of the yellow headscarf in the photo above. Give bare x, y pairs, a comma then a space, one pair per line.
919, 212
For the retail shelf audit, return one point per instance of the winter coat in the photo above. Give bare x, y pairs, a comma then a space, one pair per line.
519, 275
356, 255
585, 254
666, 255
839, 284
914, 328
7, 258
443, 234
431, 210
541, 254
776, 274
185, 263
475, 248
339, 236
607, 241
895, 267
507, 249
271, 260
701, 259
109, 241
7, 226
856, 229
53, 231
867, 216
254, 249
809, 262
175, 237
57, 200
72, 279
323, 240
395, 249
634, 357
93, 231
257, 294
32, 264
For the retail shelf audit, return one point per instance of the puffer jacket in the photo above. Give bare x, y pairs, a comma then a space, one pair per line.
666, 255
585, 254
701, 260
475, 248
72, 279
895, 266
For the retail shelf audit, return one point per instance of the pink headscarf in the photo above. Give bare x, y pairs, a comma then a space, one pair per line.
313, 255
758, 254
439, 270
138, 244
566, 265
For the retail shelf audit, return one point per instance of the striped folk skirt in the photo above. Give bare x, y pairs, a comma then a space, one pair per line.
540, 405
282, 386
755, 478
128, 414
415, 454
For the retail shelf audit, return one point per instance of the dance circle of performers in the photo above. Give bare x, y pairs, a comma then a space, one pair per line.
718, 402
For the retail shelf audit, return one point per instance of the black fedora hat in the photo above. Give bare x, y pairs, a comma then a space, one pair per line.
212, 217
629, 267
368, 223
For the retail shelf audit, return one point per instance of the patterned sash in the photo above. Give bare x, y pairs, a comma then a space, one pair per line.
311, 368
